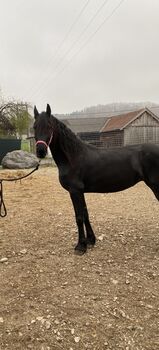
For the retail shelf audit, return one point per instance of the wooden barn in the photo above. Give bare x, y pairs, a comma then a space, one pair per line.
135, 127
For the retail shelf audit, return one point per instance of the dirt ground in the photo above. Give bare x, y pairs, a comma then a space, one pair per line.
51, 298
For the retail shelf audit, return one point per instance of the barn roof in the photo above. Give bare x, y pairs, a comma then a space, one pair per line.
155, 110
79, 125
119, 122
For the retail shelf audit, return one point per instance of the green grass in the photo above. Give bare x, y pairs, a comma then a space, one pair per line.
25, 145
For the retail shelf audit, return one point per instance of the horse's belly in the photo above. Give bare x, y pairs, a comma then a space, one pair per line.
108, 184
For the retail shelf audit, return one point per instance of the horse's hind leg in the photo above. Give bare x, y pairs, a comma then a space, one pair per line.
152, 181
91, 239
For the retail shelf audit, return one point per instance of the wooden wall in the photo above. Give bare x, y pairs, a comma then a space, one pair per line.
143, 129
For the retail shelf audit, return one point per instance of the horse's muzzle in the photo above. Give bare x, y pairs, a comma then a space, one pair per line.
41, 150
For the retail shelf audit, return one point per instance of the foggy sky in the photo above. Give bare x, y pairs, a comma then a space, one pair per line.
119, 64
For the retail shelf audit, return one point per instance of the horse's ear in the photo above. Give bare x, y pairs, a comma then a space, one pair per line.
36, 113
48, 110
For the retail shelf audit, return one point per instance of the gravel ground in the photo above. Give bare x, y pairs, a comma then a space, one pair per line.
51, 298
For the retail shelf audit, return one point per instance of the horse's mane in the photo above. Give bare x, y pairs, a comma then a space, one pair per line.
69, 142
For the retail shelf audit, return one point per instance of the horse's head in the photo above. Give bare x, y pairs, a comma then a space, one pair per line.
43, 131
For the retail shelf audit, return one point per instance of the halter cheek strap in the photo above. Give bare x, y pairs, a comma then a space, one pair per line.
44, 143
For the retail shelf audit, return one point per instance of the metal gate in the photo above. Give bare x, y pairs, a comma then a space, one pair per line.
8, 145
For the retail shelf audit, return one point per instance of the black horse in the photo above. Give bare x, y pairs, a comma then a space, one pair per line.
86, 168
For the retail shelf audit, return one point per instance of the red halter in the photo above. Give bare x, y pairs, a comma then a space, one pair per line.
44, 143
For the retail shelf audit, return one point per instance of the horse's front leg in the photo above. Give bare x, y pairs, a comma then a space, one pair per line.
78, 204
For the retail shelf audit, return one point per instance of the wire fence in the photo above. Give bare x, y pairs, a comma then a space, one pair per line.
122, 138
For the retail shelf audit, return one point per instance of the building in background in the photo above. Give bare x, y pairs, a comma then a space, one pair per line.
135, 127
131, 128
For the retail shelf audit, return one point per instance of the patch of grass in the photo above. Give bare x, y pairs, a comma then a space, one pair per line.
25, 145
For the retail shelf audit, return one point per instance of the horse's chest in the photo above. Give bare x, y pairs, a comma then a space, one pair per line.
70, 182
64, 181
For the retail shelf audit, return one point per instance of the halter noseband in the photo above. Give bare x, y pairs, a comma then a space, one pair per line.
44, 143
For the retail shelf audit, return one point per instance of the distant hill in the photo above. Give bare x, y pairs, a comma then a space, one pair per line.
108, 110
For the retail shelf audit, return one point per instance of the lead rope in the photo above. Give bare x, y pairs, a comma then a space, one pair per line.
3, 210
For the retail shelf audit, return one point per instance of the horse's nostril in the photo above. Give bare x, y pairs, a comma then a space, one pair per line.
41, 151
41, 154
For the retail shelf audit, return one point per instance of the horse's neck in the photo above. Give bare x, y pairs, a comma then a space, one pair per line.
58, 154
64, 156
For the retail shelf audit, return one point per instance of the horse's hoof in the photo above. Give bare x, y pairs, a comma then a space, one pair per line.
90, 246
91, 242
79, 252
80, 249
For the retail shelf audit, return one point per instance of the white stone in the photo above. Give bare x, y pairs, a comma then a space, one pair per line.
76, 339
4, 260
19, 160
23, 251
48, 324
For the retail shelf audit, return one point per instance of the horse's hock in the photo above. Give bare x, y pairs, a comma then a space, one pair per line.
19, 160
